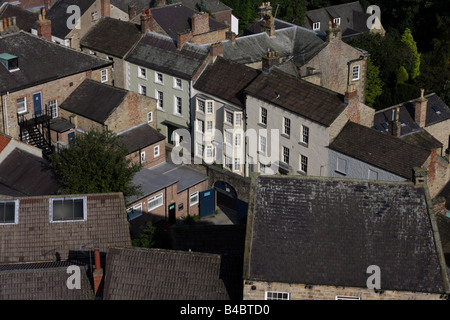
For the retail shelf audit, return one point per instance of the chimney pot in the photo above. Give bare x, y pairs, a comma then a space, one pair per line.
97, 274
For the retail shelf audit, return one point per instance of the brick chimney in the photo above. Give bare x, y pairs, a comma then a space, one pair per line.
97, 275
105, 8
268, 25
420, 177
44, 26
216, 49
131, 11
146, 21
269, 60
395, 126
182, 38
230, 35
420, 110
334, 32
352, 101
264, 10
200, 23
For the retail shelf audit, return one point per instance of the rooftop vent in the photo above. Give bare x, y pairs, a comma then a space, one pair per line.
10, 62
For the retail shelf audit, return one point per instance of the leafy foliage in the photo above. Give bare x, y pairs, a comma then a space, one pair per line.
95, 163
408, 40
374, 85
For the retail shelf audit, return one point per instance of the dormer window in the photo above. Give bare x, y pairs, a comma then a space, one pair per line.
316, 26
10, 62
337, 21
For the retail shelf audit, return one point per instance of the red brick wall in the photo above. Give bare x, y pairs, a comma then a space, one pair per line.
150, 160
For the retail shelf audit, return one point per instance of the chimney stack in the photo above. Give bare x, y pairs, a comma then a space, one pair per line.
200, 23
420, 110
105, 8
264, 11
268, 25
230, 35
146, 21
352, 101
334, 32
182, 38
131, 11
395, 126
269, 60
47, 4
44, 26
97, 274
420, 177
216, 49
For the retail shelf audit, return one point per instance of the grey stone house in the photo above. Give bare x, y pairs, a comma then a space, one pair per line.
158, 69
341, 239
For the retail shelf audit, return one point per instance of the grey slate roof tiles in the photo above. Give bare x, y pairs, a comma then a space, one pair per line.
160, 53
158, 274
41, 61
140, 137
94, 100
379, 149
298, 96
329, 231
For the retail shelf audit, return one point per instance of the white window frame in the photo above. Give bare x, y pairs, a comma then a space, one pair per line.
209, 103
94, 16
201, 105
343, 163
142, 73
157, 75
340, 297
200, 149
142, 89
142, 156
53, 104
177, 100
316, 26
156, 152
208, 129
237, 164
357, 72
237, 139
195, 196
155, 198
209, 152
304, 136
263, 115
238, 119
104, 75
262, 144
287, 126
267, 295
67, 198
229, 137
16, 212
227, 120
302, 163
283, 149
160, 101
24, 105
228, 163
200, 126
150, 117
337, 21
175, 84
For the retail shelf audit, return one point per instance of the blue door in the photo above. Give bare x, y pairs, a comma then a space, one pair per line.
207, 206
71, 137
37, 104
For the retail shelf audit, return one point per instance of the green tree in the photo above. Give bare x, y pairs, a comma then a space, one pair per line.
402, 75
408, 40
146, 238
95, 163
374, 85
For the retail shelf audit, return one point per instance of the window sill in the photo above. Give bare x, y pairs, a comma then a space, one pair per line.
262, 125
303, 144
340, 172
285, 136
301, 172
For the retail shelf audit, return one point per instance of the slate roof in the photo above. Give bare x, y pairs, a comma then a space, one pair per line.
329, 231
24, 174
58, 15
256, 26
24, 18
42, 281
163, 175
424, 139
176, 18
140, 137
381, 150
155, 274
35, 239
42, 61
94, 100
160, 53
214, 6
353, 18
296, 43
301, 97
437, 111
226, 80
112, 36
